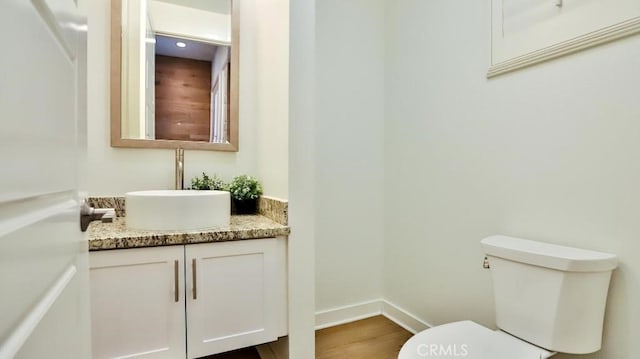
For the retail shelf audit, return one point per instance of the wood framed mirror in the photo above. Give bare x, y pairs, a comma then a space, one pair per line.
198, 110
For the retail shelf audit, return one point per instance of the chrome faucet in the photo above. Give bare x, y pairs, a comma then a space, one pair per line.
179, 168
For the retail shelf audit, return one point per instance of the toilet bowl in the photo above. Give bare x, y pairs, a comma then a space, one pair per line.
548, 298
469, 340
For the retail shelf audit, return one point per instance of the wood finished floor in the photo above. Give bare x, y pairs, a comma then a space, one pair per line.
372, 338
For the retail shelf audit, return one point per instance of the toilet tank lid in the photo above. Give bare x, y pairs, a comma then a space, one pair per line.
548, 255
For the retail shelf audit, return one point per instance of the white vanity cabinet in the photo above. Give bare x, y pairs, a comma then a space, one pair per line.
230, 295
137, 303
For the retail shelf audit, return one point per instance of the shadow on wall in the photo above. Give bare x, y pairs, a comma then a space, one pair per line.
617, 298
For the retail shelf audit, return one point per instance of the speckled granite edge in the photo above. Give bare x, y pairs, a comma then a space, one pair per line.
109, 202
105, 236
275, 209
270, 207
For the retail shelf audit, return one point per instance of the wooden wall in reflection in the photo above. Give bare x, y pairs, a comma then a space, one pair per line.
183, 99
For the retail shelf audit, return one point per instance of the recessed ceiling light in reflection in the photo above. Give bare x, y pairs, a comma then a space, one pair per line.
181, 44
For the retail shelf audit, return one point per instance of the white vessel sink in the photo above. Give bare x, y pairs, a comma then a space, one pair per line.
177, 210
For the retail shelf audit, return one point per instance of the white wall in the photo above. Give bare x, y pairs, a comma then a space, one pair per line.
149, 124
114, 171
134, 30
302, 179
272, 106
190, 22
349, 151
547, 153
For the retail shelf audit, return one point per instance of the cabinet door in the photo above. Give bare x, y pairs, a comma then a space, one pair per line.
231, 295
137, 303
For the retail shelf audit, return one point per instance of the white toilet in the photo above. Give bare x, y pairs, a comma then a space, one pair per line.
548, 299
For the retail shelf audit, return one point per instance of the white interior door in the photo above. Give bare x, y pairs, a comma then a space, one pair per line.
43, 255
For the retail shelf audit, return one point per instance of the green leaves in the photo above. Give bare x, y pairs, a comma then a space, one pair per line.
244, 187
208, 183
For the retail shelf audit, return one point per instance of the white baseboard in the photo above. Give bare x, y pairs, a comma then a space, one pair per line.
351, 313
403, 318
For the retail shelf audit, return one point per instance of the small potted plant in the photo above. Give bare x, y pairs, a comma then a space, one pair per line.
245, 191
208, 183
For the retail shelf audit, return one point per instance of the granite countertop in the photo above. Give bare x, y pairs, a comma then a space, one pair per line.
103, 236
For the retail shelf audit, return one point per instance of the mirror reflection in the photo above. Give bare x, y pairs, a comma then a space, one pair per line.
177, 75
189, 99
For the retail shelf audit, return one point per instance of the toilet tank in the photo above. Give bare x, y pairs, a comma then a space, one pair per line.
550, 295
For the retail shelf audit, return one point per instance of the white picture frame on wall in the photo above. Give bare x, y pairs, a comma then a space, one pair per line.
527, 32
